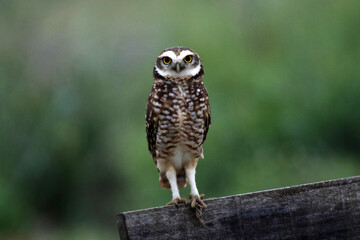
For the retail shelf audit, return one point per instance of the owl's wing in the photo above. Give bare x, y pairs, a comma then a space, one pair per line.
151, 128
207, 120
207, 115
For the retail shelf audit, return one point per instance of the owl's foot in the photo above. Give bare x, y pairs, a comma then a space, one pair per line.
198, 204
176, 201
196, 201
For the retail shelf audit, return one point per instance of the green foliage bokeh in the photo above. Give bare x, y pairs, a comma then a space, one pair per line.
283, 79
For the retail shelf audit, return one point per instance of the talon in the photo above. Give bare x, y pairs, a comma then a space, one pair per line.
197, 201
176, 201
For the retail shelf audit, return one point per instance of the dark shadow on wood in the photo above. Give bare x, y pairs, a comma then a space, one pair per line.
324, 210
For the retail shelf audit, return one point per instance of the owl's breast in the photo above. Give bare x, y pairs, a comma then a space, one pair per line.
180, 121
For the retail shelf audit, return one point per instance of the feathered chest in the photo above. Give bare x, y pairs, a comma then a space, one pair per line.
178, 113
180, 109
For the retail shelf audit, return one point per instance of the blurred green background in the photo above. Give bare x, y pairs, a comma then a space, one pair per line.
283, 79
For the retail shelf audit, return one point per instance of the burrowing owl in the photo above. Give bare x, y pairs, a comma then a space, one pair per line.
177, 120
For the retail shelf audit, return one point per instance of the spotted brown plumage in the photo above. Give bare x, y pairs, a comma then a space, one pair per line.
178, 119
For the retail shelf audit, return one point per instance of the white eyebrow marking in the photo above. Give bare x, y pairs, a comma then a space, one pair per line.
184, 54
175, 58
169, 54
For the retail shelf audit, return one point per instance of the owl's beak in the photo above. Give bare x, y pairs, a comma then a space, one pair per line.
177, 67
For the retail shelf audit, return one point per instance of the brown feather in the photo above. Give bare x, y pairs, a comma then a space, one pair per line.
152, 122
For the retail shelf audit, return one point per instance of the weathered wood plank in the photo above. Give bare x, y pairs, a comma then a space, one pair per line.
324, 210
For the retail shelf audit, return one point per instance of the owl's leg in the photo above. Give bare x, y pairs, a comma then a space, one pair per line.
196, 199
171, 176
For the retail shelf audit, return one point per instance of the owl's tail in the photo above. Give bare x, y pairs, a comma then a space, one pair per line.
180, 178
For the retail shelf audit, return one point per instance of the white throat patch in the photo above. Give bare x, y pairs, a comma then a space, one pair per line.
183, 73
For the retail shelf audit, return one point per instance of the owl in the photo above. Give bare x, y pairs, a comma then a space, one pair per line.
178, 120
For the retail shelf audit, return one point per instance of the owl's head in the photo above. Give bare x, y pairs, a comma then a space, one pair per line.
178, 62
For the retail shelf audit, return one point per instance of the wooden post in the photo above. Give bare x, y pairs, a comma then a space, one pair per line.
324, 210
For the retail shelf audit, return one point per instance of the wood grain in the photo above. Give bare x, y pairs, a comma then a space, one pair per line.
324, 210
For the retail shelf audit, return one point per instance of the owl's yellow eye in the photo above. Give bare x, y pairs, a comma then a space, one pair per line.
188, 59
166, 60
